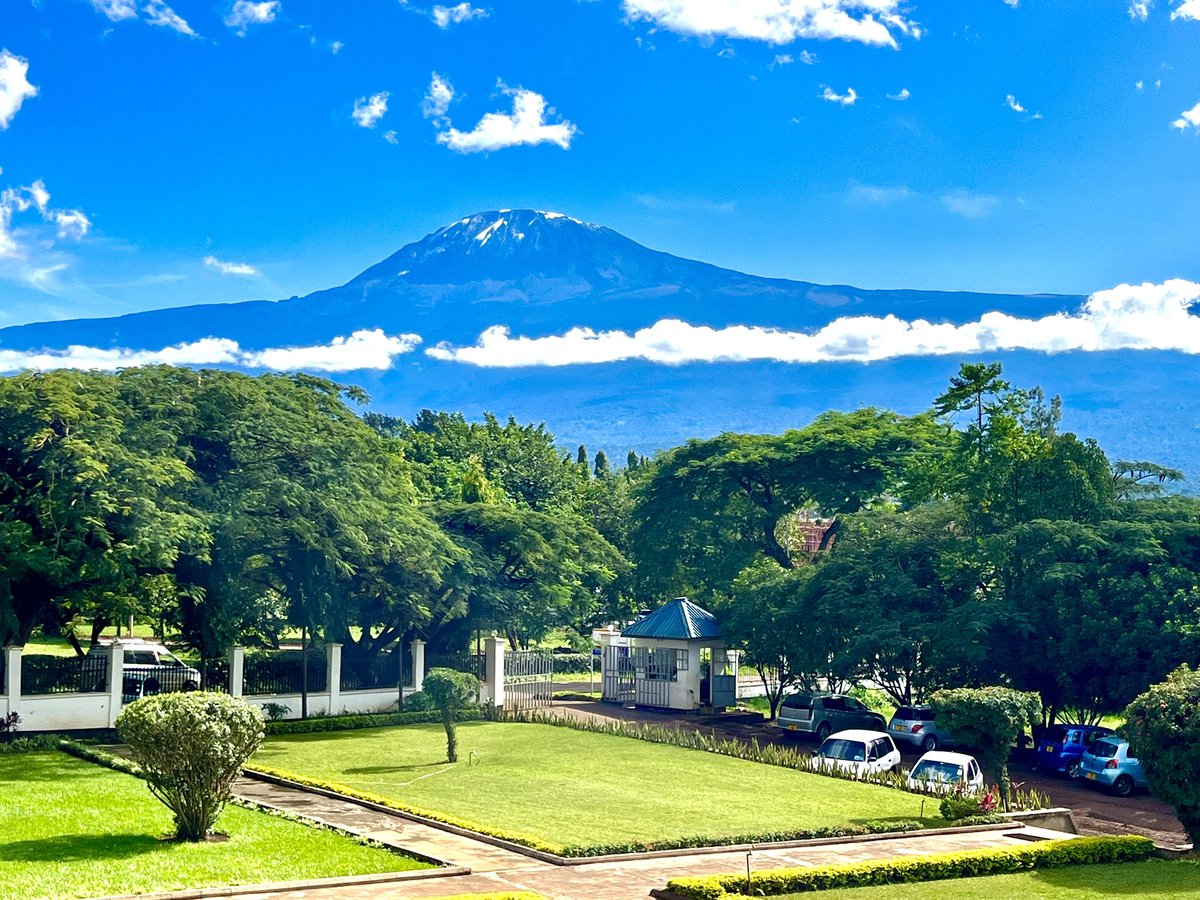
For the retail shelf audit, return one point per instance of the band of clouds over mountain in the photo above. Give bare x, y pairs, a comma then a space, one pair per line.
365, 349
870, 22
1127, 317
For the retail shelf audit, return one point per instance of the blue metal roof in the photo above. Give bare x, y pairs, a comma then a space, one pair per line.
679, 620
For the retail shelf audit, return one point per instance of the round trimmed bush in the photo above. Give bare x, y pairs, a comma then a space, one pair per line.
191, 746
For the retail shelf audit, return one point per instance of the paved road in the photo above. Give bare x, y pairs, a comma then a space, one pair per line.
1096, 810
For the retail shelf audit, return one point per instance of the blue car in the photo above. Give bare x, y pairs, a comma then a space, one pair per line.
1107, 762
1060, 747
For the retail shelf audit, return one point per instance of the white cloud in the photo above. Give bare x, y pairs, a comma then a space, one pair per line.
847, 99
904, 94
230, 268
1188, 9
1013, 3
361, 350
1145, 317
1013, 104
971, 205
158, 13
879, 196
1139, 10
526, 125
116, 10
245, 13
1188, 119
71, 223
445, 16
15, 88
335, 47
438, 98
869, 22
1139, 85
369, 110
391, 138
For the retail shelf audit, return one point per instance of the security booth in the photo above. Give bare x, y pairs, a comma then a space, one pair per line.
673, 658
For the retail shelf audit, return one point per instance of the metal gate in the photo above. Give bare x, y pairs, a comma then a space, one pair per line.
528, 679
618, 679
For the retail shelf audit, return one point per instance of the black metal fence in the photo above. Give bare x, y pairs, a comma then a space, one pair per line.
215, 674
42, 675
381, 671
471, 663
283, 673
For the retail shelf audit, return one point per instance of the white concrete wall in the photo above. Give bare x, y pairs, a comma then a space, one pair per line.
66, 712
347, 703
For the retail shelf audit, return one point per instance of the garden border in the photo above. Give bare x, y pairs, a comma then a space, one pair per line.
557, 860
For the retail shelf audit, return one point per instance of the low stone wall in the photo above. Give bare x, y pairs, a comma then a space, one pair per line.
1057, 819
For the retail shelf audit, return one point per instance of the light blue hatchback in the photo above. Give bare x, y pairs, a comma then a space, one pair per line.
1107, 762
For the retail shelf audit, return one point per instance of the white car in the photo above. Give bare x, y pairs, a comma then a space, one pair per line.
856, 751
941, 772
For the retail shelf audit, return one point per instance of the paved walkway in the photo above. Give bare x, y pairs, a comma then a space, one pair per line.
494, 869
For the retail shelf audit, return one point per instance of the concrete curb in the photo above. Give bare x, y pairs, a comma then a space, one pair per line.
555, 859
238, 890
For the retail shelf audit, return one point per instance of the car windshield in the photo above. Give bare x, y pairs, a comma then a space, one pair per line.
1103, 749
930, 770
838, 748
140, 658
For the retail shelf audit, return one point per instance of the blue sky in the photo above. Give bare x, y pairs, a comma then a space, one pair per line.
1045, 145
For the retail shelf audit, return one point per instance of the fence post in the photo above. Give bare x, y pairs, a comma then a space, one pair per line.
333, 658
237, 670
12, 679
116, 680
493, 687
417, 648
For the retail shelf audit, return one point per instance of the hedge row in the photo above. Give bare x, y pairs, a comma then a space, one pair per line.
366, 720
965, 864
31, 744
758, 837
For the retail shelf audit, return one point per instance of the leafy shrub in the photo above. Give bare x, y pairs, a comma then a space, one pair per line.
419, 702
191, 747
1163, 727
984, 819
8, 726
959, 805
965, 864
450, 691
275, 711
989, 719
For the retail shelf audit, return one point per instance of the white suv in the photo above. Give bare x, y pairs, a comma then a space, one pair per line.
151, 668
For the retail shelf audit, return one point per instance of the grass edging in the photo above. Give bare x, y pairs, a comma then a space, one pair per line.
276, 887
916, 869
479, 833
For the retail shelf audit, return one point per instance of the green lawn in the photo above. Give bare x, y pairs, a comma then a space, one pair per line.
565, 787
73, 829
1129, 881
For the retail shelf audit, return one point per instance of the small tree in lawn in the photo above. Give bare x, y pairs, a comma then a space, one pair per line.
191, 747
450, 692
990, 719
1163, 728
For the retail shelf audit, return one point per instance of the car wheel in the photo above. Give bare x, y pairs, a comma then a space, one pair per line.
930, 743
190, 686
150, 686
1123, 786
823, 731
1073, 769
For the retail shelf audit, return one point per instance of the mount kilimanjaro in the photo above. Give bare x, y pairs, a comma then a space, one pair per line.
540, 274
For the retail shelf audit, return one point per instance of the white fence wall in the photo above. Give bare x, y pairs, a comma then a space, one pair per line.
71, 712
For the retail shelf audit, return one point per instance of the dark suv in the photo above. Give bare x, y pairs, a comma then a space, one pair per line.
823, 714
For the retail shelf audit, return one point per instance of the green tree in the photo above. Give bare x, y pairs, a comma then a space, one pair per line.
989, 719
602, 468
1163, 727
191, 748
450, 691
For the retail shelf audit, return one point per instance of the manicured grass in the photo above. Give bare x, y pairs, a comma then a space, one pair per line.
567, 787
73, 829
1130, 881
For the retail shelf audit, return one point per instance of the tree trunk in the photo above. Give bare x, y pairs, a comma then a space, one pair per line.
451, 735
